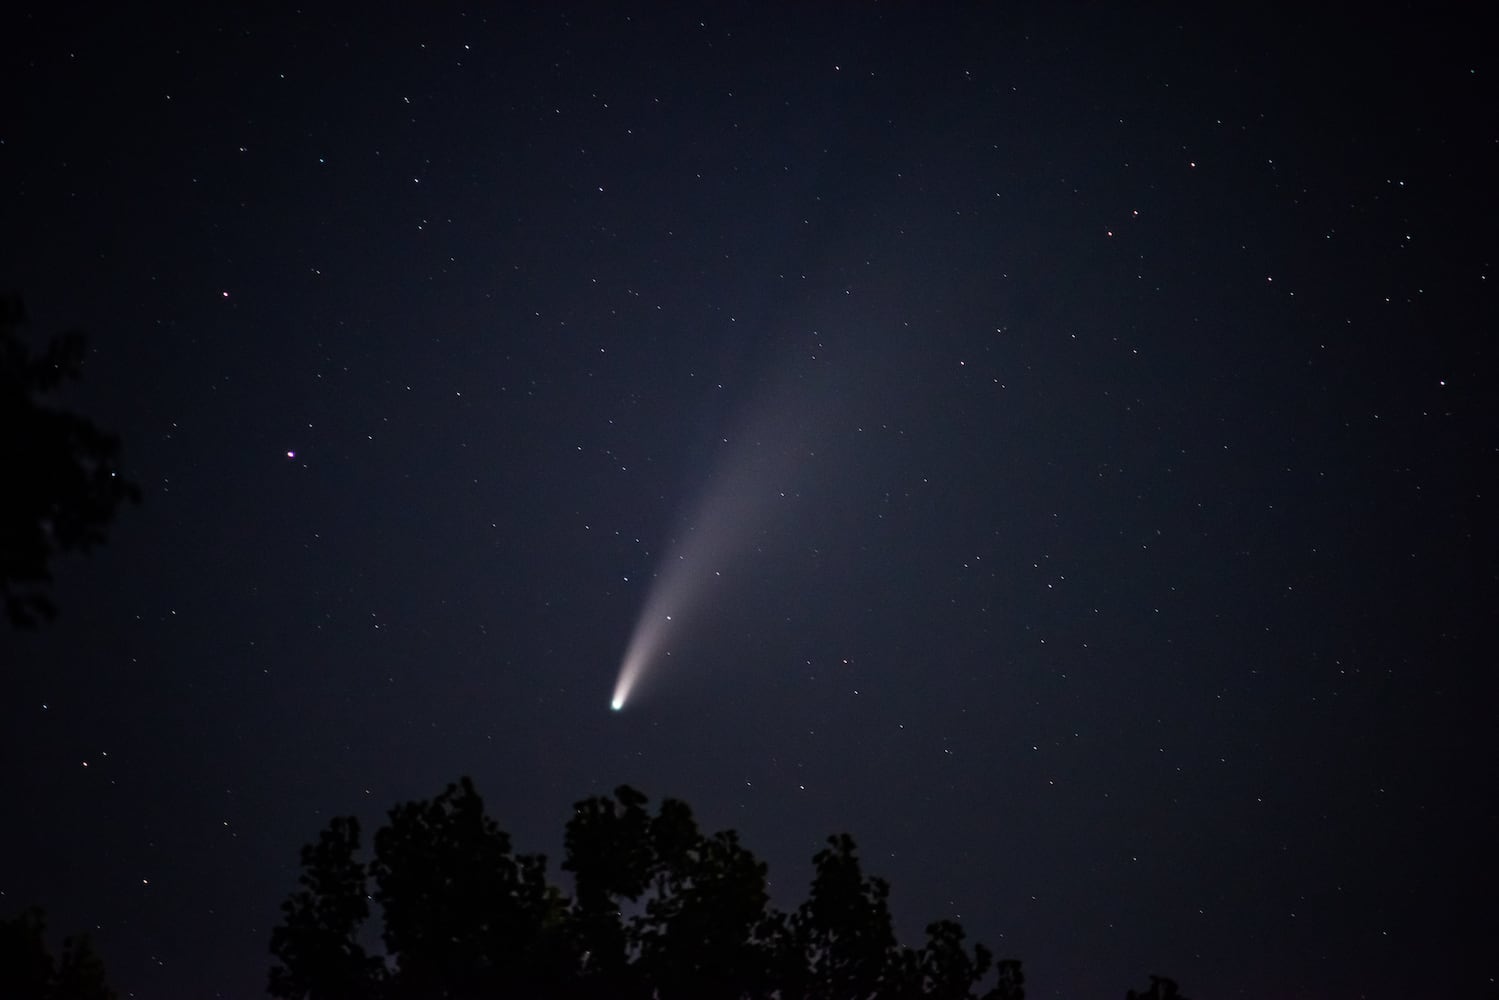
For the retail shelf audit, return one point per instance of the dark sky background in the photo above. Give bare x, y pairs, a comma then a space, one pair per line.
1086, 420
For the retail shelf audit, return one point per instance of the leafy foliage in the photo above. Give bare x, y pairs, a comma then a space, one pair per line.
61, 471
28, 970
1161, 988
317, 941
659, 910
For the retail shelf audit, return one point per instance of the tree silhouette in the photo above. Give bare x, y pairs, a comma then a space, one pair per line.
842, 934
29, 972
463, 915
944, 970
62, 479
659, 911
1161, 988
317, 943
608, 852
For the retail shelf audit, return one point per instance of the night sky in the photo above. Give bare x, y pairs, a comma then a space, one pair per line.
1061, 438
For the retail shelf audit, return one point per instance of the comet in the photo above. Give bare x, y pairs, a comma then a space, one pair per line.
780, 440
680, 593
753, 481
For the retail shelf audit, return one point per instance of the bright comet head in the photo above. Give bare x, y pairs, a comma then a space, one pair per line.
644, 644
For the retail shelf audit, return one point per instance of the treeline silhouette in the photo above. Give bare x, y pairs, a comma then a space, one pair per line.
659, 910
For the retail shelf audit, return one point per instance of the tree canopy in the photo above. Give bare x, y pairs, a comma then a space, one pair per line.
63, 483
657, 909
29, 971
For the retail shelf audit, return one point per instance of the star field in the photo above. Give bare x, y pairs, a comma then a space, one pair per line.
1063, 437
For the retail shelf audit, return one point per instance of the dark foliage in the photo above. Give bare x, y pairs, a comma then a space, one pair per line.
658, 910
1161, 988
28, 970
62, 481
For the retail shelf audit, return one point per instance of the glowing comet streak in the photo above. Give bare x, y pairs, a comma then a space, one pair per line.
756, 475
684, 584
643, 645
730, 517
